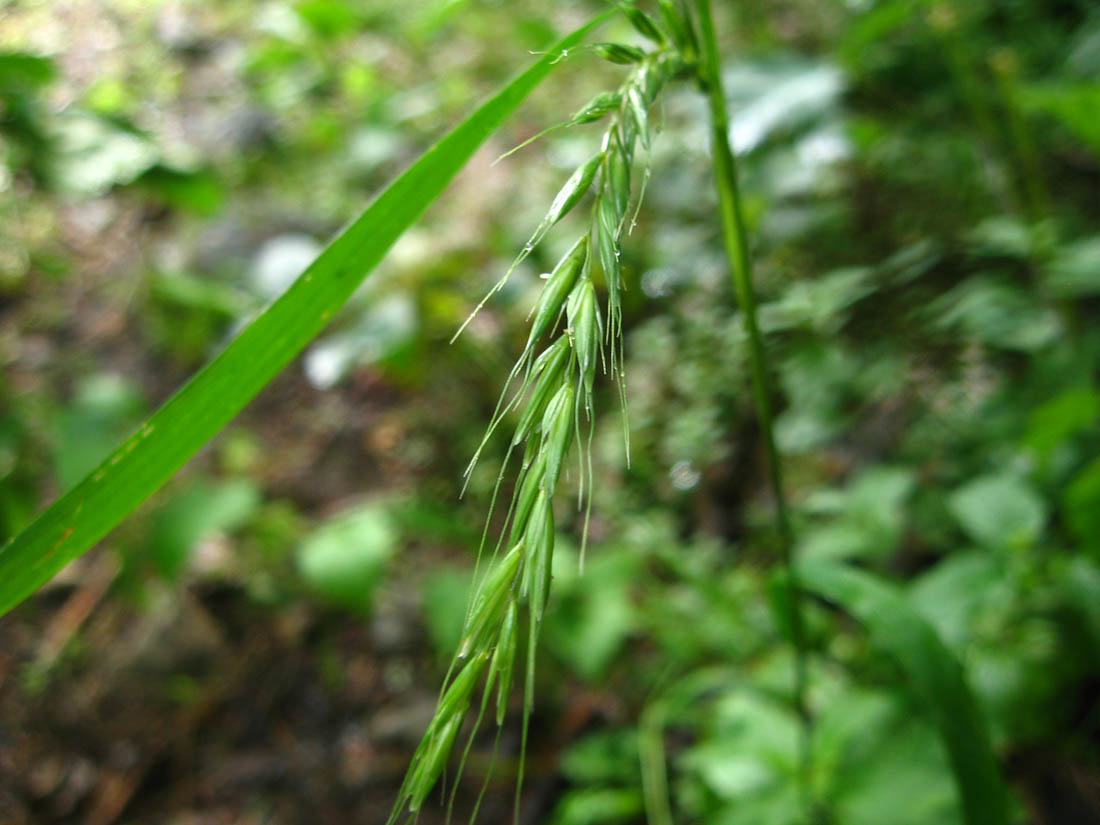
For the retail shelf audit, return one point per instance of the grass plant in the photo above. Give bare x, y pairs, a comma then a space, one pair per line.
554, 397
736, 240
576, 333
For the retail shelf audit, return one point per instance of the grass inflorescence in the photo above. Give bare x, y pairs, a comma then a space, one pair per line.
571, 336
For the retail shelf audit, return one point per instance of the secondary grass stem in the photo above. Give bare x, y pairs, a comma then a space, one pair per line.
735, 238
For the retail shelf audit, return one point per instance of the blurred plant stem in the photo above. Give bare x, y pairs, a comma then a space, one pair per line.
1012, 140
1032, 187
735, 238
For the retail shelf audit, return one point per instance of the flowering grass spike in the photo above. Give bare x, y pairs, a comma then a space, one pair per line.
554, 399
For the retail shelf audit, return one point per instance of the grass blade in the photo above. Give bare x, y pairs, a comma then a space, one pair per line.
221, 389
935, 675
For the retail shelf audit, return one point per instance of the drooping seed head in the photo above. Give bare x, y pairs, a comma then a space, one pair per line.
572, 191
504, 659
639, 114
553, 388
540, 543
651, 76
584, 323
528, 494
627, 132
606, 231
547, 379
557, 288
642, 23
597, 107
617, 186
456, 699
429, 768
619, 53
678, 23
548, 357
557, 432
435, 747
489, 601
533, 528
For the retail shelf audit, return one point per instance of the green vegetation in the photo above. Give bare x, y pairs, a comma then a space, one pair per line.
847, 567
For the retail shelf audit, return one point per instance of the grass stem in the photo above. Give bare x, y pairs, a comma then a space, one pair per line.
735, 238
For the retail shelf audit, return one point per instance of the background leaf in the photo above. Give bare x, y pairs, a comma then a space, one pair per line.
934, 674
999, 511
344, 560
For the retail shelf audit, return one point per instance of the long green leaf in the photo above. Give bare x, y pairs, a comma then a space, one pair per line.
935, 676
217, 393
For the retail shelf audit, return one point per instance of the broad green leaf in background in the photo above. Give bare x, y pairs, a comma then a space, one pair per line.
218, 392
820, 304
998, 313
19, 70
95, 153
594, 614
934, 674
1081, 506
444, 596
1075, 270
197, 191
345, 560
1080, 579
1074, 106
1062, 417
200, 510
598, 806
958, 589
608, 757
750, 755
181, 290
868, 516
908, 765
328, 18
104, 409
869, 750
999, 511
